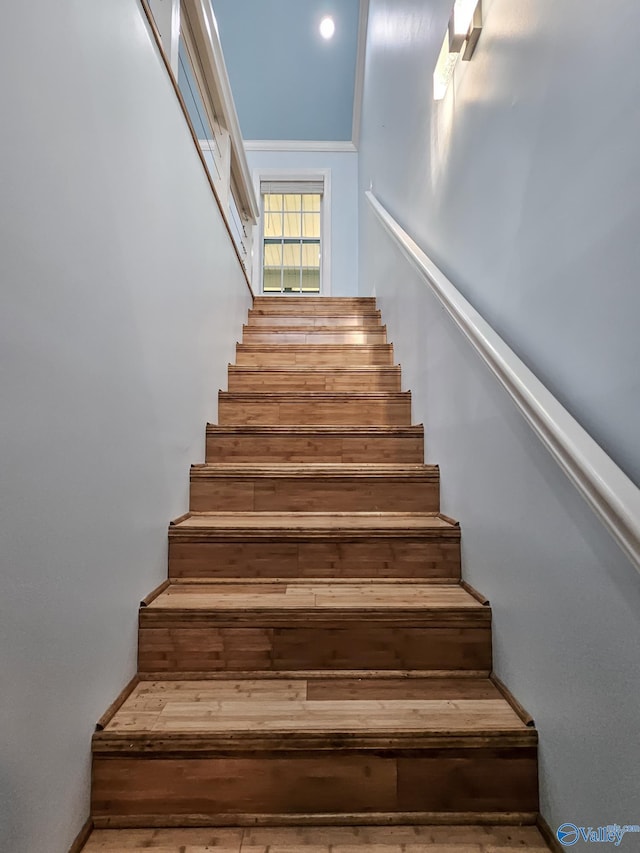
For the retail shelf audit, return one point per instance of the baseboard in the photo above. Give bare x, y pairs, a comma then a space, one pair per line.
82, 837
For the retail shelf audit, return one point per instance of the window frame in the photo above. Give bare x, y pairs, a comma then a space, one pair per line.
301, 175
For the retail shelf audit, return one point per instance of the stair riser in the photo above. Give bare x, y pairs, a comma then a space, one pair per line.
392, 412
275, 356
310, 448
279, 494
338, 381
371, 558
313, 304
201, 790
301, 319
255, 335
331, 646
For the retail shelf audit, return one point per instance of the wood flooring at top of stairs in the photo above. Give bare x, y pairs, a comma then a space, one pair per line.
311, 304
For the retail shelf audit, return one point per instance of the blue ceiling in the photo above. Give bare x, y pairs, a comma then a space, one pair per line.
287, 81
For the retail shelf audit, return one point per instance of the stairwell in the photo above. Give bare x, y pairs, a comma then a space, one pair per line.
315, 673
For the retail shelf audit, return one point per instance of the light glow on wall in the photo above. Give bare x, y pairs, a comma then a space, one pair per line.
444, 70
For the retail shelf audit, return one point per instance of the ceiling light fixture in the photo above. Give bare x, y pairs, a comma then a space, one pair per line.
327, 27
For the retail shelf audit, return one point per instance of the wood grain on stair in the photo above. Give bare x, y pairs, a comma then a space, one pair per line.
375, 408
412, 545
325, 839
313, 354
314, 335
271, 709
312, 625
250, 747
292, 443
292, 305
308, 598
245, 378
314, 486
287, 525
327, 319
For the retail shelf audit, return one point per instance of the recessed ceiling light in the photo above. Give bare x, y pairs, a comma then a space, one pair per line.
327, 27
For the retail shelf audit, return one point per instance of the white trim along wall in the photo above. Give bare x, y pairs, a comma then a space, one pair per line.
359, 81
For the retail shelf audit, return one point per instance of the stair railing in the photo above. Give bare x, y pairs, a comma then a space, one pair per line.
204, 91
609, 492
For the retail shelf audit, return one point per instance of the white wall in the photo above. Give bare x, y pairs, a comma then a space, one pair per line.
522, 186
343, 166
120, 302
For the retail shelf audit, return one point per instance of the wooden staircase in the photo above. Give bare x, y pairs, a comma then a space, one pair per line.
314, 657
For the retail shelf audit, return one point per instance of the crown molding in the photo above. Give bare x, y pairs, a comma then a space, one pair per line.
337, 146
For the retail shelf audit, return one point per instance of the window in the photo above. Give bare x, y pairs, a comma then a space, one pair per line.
292, 242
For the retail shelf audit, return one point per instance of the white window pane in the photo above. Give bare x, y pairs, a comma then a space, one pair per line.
272, 224
291, 255
311, 255
272, 281
311, 280
292, 224
291, 280
311, 225
311, 202
293, 202
272, 201
273, 255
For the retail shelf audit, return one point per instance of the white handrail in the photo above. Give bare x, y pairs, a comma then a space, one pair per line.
611, 494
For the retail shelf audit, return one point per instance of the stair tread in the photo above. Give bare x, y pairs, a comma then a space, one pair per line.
348, 839
318, 521
302, 369
377, 430
307, 396
317, 596
282, 707
315, 469
314, 347
308, 328
310, 300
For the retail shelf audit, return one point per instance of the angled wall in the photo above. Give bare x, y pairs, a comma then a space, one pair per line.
120, 303
521, 185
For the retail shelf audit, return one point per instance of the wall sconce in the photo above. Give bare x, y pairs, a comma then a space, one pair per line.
460, 39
